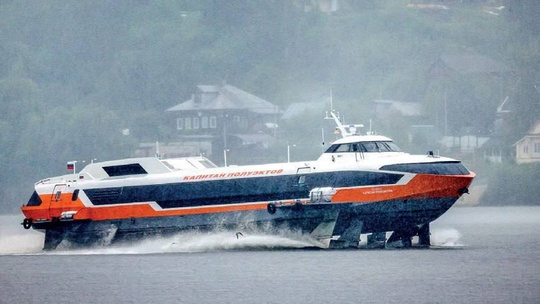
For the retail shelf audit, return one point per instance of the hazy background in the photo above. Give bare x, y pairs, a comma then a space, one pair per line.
74, 74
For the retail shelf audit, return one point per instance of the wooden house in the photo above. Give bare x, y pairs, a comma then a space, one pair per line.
223, 119
528, 147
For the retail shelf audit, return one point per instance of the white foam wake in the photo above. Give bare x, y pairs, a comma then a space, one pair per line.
227, 240
190, 242
14, 239
448, 237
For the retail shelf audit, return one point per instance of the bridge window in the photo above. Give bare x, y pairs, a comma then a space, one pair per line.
370, 146
392, 146
367, 146
343, 148
121, 170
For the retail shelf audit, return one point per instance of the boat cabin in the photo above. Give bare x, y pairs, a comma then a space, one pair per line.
360, 147
364, 146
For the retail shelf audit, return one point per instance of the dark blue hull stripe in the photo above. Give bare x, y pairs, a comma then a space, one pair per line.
234, 191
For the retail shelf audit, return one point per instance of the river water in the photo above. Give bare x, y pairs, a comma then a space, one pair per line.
481, 255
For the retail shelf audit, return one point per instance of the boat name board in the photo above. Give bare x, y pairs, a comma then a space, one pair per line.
233, 174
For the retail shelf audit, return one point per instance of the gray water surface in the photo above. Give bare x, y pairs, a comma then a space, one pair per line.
482, 255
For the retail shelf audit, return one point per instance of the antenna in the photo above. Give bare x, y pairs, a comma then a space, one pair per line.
322, 135
342, 129
331, 101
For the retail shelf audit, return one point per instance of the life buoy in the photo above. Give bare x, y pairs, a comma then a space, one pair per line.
271, 207
27, 223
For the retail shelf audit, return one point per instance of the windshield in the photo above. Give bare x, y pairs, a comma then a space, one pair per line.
366, 146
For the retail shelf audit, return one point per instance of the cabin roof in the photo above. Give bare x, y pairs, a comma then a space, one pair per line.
143, 166
361, 138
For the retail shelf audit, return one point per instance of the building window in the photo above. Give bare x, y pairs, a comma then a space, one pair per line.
536, 147
204, 122
213, 122
179, 123
196, 124
188, 123
525, 149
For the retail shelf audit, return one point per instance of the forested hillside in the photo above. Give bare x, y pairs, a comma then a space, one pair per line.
74, 74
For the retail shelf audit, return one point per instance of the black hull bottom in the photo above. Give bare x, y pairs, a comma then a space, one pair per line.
395, 215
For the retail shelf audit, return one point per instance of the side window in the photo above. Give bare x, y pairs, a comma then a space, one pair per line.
382, 147
392, 146
357, 147
361, 147
75, 195
370, 146
331, 149
343, 148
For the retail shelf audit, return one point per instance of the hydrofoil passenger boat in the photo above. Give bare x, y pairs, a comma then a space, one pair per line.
362, 184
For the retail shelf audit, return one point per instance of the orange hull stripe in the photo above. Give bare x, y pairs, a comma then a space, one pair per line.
145, 210
421, 186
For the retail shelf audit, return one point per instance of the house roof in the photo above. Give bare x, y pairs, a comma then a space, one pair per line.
227, 97
493, 142
535, 129
533, 132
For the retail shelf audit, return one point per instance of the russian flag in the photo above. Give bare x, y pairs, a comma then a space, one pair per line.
70, 165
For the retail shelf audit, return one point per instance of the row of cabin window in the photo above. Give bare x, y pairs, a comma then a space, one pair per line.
189, 123
368, 146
